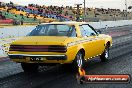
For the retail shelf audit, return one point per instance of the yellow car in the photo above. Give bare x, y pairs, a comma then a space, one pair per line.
60, 43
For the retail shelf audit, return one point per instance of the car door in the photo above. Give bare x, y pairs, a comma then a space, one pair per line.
94, 45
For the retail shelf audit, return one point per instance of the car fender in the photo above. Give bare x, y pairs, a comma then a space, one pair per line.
109, 39
73, 50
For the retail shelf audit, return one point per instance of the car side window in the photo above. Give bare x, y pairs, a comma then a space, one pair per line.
73, 32
89, 30
83, 32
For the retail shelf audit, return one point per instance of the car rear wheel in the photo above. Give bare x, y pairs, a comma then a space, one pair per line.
105, 55
29, 67
78, 62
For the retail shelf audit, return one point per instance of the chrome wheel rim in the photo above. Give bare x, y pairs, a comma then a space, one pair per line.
106, 54
79, 60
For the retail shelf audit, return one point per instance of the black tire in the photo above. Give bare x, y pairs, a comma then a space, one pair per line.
30, 68
105, 55
78, 61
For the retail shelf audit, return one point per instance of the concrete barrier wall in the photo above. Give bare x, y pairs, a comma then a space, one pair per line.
2, 53
19, 31
103, 24
16, 31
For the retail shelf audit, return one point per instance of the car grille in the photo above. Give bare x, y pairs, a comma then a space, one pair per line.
38, 48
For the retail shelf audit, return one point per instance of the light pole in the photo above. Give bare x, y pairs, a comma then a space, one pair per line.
126, 8
84, 10
78, 12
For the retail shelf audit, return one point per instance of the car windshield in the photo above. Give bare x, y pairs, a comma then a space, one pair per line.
54, 30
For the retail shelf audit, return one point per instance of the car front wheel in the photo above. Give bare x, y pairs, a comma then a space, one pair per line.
105, 55
78, 62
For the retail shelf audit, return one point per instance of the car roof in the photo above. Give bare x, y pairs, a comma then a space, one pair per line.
67, 22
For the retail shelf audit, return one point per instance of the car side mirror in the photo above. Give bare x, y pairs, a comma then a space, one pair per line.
99, 31
92, 34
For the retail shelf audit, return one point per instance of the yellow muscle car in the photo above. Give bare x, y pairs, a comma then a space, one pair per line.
60, 43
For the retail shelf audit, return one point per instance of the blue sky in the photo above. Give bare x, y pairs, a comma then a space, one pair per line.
89, 3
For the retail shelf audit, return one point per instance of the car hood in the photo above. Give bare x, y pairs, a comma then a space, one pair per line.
41, 40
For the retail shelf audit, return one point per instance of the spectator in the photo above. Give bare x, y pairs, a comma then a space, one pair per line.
22, 17
35, 17
27, 15
66, 13
3, 18
0, 4
106, 27
11, 3
21, 22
